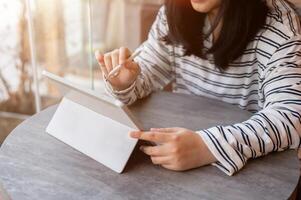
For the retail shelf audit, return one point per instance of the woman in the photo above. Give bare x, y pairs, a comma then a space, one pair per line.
246, 53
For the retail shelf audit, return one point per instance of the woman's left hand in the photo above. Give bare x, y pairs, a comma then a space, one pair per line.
178, 149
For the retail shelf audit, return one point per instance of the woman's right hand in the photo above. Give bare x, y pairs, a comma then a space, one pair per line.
128, 72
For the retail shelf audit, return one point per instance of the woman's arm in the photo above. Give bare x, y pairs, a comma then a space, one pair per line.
276, 127
154, 62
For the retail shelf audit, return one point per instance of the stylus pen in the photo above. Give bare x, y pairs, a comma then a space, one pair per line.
116, 70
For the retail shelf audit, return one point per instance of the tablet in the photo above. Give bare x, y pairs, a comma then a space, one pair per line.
95, 124
65, 85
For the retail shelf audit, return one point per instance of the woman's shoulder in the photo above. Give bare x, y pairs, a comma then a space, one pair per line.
282, 22
162, 14
282, 26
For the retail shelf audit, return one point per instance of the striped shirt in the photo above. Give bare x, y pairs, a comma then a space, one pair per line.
265, 80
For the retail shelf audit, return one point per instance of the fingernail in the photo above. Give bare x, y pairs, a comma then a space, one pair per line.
141, 148
154, 129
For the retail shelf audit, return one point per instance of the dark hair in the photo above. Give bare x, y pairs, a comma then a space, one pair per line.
242, 20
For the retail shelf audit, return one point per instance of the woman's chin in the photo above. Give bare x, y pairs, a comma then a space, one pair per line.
201, 8
204, 6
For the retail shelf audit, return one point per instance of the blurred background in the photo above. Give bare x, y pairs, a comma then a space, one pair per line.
60, 36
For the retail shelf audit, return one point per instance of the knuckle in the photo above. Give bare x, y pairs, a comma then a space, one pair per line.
115, 52
123, 48
149, 151
154, 151
181, 130
107, 56
176, 138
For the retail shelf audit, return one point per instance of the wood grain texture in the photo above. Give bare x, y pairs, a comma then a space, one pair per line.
34, 165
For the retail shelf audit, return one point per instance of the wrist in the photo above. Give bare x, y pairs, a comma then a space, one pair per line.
207, 156
122, 87
125, 91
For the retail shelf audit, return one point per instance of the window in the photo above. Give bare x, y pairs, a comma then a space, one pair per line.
61, 36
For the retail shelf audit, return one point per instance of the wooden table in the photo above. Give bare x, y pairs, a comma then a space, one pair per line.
34, 165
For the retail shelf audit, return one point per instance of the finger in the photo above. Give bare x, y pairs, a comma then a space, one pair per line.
124, 54
150, 136
166, 130
115, 58
160, 160
108, 62
100, 59
160, 150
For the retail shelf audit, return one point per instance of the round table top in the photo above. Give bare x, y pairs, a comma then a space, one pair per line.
35, 165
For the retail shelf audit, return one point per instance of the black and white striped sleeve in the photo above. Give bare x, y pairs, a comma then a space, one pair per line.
154, 61
276, 127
